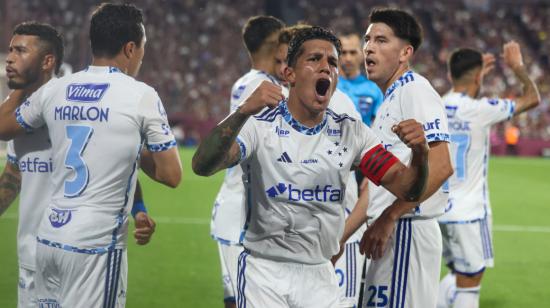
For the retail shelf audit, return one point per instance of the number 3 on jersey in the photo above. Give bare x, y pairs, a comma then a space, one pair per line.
79, 136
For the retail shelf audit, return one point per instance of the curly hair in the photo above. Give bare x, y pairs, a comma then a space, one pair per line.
309, 33
51, 39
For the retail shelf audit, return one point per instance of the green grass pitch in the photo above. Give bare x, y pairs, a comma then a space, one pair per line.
180, 267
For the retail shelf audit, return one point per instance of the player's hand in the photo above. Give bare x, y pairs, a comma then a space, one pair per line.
488, 63
145, 227
267, 94
412, 134
337, 256
374, 240
511, 53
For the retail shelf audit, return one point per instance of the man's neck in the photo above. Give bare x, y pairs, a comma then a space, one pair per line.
264, 65
302, 114
469, 90
31, 88
114, 62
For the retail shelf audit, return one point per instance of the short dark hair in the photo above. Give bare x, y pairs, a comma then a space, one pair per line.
404, 25
114, 25
312, 33
257, 29
289, 32
463, 60
52, 39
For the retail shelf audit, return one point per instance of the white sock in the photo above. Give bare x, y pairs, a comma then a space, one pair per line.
467, 298
447, 288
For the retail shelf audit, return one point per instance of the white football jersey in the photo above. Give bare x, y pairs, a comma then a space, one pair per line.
32, 155
409, 97
470, 122
98, 120
342, 104
295, 182
228, 214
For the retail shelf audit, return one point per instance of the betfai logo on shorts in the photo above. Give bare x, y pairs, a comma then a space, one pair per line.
328, 193
59, 218
86, 92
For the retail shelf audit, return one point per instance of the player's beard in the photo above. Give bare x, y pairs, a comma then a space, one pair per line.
27, 77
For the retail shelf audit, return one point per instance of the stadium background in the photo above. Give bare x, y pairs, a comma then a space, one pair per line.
194, 54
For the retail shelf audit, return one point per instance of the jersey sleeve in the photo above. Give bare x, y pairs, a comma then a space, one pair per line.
247, 139
422, 103
493, 110
241, 92
155, 129
373, 159
11, 155
30, 114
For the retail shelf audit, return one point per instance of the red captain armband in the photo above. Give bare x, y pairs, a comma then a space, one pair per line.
376, 162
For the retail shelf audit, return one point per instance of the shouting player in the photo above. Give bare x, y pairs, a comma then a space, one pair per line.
97, 120
466, 230
260, 36
296, 159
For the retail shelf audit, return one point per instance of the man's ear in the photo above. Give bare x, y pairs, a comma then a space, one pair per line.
290, 75
129, 49
406, 53
49, 62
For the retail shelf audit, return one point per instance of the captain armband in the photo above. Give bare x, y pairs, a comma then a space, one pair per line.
376, 162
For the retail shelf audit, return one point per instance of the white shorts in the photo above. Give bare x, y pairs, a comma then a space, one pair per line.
70, 279
229, 258
263, 283
407, 275
26, 297
348, 271
467, 246
487, 227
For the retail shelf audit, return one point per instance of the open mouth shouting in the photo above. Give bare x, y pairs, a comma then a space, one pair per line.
321, 88
369, 64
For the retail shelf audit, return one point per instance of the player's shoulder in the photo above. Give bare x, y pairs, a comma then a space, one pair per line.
248, 80
414, 81
341, 117
269, 115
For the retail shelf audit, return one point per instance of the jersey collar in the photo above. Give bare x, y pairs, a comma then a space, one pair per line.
398, 83
297, 125
102, 69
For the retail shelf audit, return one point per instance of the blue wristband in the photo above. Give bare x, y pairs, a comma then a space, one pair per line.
138, 206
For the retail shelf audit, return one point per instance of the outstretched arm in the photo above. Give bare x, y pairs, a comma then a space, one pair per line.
10, 185
219, 149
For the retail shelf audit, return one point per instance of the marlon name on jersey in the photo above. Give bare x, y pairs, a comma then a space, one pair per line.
328, 193
83, 93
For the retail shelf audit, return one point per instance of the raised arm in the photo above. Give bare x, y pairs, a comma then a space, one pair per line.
530, 97
10, 185
9, 128
219, 149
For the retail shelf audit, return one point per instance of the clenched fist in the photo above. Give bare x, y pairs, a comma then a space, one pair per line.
267, 94
412, 134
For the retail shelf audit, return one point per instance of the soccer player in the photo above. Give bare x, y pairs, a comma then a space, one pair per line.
365, 94
349, 267
35, 55
97, 120
467, 240
296, 159
402, 239
260, 36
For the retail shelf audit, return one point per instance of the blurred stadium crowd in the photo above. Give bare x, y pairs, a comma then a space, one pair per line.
194, 51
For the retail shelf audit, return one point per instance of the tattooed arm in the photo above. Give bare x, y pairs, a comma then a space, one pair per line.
219, 149
10, 185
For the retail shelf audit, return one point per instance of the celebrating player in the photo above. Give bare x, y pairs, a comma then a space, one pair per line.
260, 36
296, 159
403, 239
467, 240
97, 120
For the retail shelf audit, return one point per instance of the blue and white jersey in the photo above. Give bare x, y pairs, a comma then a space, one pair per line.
409, 97
365, 94
470, 122
295, 182
228, 214
98, 120
31, 153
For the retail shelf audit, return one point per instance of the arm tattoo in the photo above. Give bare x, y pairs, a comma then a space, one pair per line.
10, 185
219, 150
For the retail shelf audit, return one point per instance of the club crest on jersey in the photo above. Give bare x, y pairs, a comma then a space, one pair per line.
281, 132
86, 92
328, 193
59, 218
